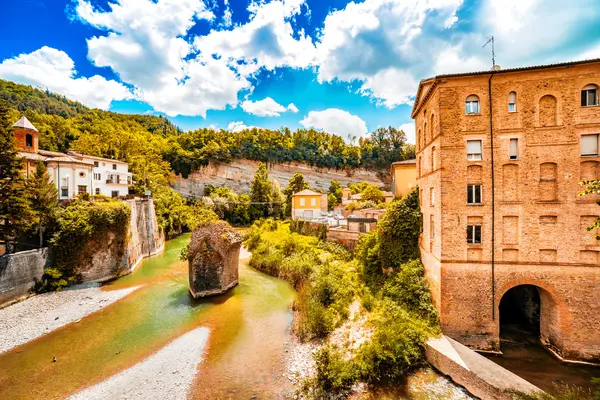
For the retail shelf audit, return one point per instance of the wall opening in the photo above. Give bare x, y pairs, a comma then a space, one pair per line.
548, 110
520, 310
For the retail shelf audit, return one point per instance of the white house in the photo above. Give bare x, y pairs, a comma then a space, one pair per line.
72, 173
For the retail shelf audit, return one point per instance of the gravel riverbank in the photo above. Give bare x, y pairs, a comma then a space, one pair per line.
41, 314
167, 374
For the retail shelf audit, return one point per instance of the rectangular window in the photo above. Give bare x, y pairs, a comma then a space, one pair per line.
95, 163
472, 107
474, 234
97, 176
81, 189
514, 149
114, 166
313, 202
474, 152
589, 145
431, 196
512, 107
302, 201
589, 96
64, 192
473, 194
114, 194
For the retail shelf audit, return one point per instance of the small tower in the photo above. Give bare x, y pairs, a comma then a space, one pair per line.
26, 135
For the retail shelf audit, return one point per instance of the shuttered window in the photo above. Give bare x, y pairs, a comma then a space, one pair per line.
514, 149
589, 145
474, 150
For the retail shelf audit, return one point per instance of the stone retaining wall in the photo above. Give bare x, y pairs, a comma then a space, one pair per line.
20, 271
481, 377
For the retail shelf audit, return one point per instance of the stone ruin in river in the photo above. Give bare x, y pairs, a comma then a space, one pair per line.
213, 258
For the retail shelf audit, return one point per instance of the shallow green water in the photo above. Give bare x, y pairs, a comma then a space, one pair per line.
249, 328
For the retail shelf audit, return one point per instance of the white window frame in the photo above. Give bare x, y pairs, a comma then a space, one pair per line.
472, 189
473, 230
513, 151
590, 90
472, 105
593, 138
313, 202
475, 156
512, 102
302, 201
431, 197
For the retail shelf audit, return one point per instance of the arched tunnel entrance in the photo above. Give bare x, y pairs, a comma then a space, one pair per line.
520, 314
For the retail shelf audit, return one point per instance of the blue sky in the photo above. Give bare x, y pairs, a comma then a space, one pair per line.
345, 67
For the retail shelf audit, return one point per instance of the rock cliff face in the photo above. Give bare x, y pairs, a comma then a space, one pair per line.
213, 257
239, 174
112, 256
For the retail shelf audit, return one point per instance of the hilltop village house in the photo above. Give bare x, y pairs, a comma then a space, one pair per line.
308, 205
500, 157
73, 173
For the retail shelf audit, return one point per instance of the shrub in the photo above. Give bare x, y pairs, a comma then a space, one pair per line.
334, 374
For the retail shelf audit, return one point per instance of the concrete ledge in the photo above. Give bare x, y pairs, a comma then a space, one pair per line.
481, 377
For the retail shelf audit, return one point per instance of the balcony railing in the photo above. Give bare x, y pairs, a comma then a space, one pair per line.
117, 181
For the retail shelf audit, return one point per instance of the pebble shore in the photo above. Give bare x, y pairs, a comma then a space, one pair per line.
167, 374
41, 314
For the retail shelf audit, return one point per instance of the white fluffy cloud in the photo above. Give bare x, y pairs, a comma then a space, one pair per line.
53, 69
409, 130
144, 45
238, 126
334, 120
268, 40
266, 107
379, 42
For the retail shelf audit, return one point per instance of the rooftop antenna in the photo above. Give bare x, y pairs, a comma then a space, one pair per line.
491, 39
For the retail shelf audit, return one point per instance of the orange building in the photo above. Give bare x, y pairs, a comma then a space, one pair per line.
404, 177
308, 205
500, 155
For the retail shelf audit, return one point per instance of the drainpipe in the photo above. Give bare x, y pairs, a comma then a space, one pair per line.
493, 198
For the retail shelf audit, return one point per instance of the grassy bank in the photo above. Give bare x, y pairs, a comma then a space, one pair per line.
391, 313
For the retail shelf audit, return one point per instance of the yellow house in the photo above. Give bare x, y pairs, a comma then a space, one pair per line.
404, 177
308, 205
346, 193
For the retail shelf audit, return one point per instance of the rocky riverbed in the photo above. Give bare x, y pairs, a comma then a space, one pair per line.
41, 314
167, 374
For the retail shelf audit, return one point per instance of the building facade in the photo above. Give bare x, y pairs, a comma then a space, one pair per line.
308, 205
72, 173
404, 177
500, 155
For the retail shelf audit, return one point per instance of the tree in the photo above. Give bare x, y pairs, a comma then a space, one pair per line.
15, 210
261, 191
43, 197
372, 193
335, 189
295, 185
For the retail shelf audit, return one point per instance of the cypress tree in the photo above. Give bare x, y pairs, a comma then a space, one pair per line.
43, 197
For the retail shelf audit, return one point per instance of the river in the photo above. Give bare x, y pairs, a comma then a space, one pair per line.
245, 356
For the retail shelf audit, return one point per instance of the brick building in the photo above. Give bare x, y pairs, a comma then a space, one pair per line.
500, 155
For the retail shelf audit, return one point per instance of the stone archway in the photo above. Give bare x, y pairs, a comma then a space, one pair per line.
531, 311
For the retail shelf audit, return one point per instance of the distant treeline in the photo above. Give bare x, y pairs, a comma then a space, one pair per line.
65, 124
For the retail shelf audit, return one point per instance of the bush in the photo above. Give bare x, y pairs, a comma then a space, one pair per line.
334, 374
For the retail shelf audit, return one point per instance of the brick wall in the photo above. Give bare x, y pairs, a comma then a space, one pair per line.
540, 222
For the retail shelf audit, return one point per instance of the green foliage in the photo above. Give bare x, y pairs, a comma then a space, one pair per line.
326, 282
16, 216
592, 187
396, 344
333, 374
372, 193
395, 241
296, 184
309, 228
79, 227
335, 194
42, 195
360, 205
